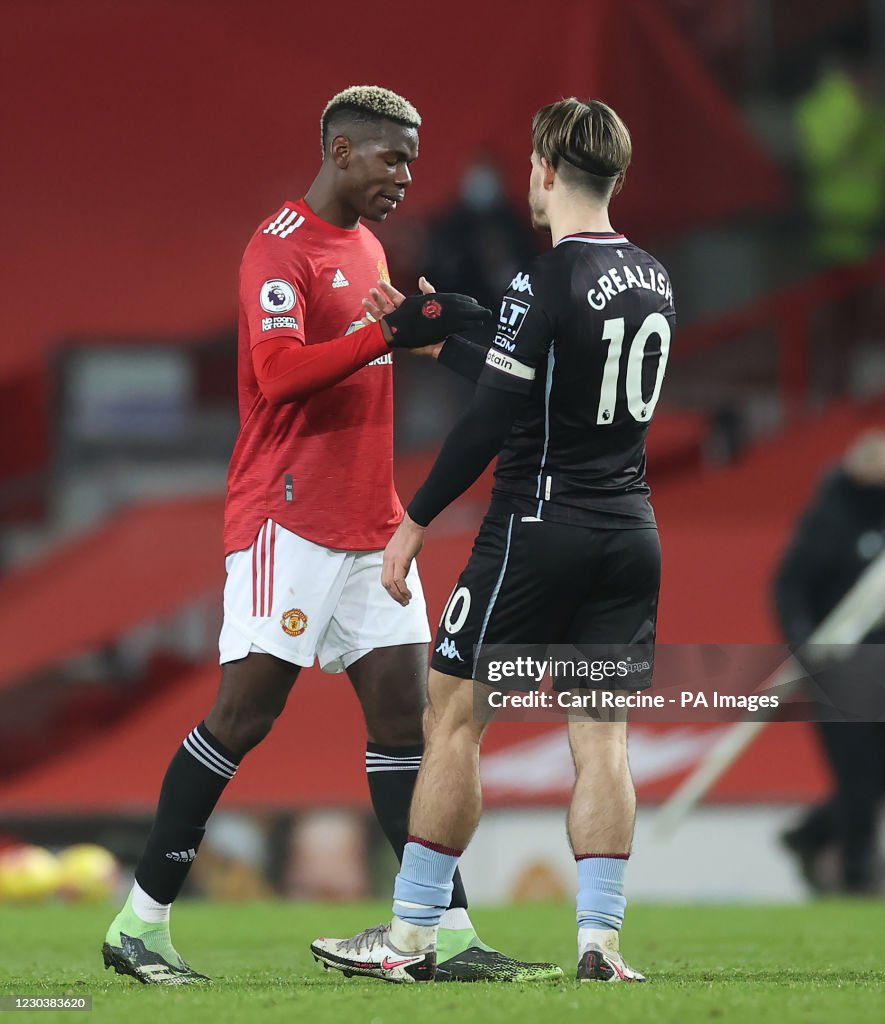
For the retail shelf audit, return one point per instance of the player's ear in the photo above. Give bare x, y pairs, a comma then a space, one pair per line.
619, 184
340, 151
549, 173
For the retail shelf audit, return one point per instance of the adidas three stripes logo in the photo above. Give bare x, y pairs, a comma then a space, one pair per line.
284, 223
386, 763
182, 856
195, 745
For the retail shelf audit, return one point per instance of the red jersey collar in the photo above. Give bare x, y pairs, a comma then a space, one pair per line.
323, 225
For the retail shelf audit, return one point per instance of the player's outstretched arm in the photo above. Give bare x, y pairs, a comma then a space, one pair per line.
472, 444
287, 370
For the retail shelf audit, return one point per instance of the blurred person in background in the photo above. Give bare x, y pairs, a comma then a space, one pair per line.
482, 241
840, 128
839, 535
310, 505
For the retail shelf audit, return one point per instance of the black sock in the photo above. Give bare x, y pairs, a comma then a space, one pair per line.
392, 772
194, 781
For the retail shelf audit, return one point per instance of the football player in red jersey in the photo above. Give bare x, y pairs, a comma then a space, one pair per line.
310, 506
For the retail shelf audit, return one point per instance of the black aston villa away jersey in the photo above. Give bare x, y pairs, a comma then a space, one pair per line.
585, 333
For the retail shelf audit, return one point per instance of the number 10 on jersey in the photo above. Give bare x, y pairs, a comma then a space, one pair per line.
613, 332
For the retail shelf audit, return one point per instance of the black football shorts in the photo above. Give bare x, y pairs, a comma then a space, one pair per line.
530, 584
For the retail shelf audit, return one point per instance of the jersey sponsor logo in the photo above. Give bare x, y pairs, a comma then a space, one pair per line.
294, 622
507, 364
385, 360
448, 649
285, 222
339, 280
510, 318
276, 323
277, 296
522, 283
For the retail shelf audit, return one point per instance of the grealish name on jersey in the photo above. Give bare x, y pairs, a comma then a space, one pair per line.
617, 280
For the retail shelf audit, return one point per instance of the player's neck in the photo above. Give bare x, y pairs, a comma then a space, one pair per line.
321, 198
575, 219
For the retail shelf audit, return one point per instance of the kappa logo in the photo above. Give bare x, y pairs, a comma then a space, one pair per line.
522, 283
294, 622
339, 280
448, 649
182, 856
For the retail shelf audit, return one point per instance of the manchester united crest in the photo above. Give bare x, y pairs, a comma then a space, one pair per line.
294, 622
431, 309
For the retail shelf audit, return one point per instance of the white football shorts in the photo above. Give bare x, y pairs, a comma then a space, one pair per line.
300, 601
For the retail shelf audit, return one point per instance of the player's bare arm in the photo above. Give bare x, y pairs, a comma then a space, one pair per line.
402, 549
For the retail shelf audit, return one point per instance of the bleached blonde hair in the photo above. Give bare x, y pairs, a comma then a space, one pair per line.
370, 102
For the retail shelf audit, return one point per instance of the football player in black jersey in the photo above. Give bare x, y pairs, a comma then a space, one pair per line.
568, 552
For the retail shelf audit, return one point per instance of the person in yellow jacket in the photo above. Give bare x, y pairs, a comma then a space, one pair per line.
840, 130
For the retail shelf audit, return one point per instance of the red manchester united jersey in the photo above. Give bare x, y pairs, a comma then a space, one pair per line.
321, 467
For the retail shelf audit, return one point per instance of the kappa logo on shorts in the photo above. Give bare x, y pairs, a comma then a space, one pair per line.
294, 622
448, 649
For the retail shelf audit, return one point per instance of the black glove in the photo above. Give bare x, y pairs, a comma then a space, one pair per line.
426, 319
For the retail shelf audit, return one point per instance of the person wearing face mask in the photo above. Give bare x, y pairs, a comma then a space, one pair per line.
481, 243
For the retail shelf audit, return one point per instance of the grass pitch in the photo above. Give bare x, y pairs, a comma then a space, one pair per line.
816, 965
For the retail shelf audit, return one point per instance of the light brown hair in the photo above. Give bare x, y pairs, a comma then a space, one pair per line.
586, 143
